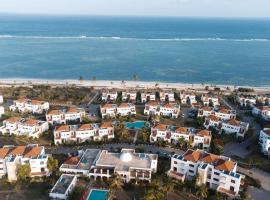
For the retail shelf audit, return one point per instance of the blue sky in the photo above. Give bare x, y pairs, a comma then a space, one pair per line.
207, 8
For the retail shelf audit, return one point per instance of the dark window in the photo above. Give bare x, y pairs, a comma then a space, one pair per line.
233, 181
191, 165
175, 169
175, 162
191, 171
232, 188
215, 179
216, 173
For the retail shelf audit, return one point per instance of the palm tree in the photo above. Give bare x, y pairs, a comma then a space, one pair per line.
181, 142
202, 191
116, 183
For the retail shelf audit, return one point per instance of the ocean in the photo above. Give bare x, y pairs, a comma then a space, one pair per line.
188, 50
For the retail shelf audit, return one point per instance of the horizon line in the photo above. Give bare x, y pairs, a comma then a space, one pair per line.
142, 16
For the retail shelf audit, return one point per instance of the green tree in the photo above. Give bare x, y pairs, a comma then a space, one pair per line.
116, 183
124, 134
181, 142
168, 187
23, 172
145, 134
52, 164
202, 191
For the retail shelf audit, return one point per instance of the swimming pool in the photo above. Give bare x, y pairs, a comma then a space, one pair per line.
135, 125
98, 194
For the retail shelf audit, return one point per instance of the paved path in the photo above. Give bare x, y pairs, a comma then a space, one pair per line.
136, 136
258, 194
257, 174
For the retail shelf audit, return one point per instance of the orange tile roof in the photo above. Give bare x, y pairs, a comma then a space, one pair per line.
72, 110
224, 110
224, 165
192, 156
72, 161
168, 105
206, 108
203, 133
182, 129
31, 122
4, 152
123, 105
152, 103
62, 128
85, 127
161, 127
21, 100
106, 125
54, 112
19, 150
32, 152
234, 122
108, 105
209, 158
214, 118
13, 119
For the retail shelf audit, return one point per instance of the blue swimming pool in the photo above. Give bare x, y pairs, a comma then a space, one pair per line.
98, 195
135, 125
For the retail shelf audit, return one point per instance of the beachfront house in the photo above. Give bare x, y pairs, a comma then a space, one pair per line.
63, 187
167, 96
212, 101
64, 116
162, 109
113, 110
172, 134
13, 156
264, 141
109, 95
21, 126
27, 105
83, 132
188, 98
216, 172
148, 96
102, 164
246, 101
129, 95
229, 126
262, 111
220, 112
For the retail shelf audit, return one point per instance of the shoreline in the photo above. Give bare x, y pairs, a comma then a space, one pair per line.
98, 84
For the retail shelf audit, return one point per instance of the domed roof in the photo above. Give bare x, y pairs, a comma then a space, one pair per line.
126, 156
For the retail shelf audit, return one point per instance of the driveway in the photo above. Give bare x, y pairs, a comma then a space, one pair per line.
240, 149
258, 194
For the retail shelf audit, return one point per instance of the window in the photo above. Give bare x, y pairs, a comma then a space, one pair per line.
216, 173
191, 165
175, 162
232, 188
233, 181
190, 171
175, 169
215, 179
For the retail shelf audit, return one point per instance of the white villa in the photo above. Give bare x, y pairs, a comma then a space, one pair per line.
167, 96
63, 187
216, 172
264, 141
112, 110
245, 101
148, 96
102, 164
83, 132
20, 126
210, 100
13, 156
109, 95
172, 134
188, 98
27, 105
222, 113
168, 109
72, 114
129, 95
231, 126
262, 111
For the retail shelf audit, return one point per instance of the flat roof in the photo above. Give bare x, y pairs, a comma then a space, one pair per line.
139, 160
63, 184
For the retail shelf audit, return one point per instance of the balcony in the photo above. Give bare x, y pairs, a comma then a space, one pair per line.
176, 175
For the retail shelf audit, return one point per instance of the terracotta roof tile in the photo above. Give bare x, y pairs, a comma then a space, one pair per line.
62, 128
32, 152
106, 125
161, 127
192, 156
72, 160
4, 152
224, 165
13, 119
203, 133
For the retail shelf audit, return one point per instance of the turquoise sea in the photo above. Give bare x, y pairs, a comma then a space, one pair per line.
190, 50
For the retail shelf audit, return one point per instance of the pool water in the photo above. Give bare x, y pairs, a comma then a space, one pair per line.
98, 195
135, 125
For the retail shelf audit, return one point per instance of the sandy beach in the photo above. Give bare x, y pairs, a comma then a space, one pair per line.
99, 84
